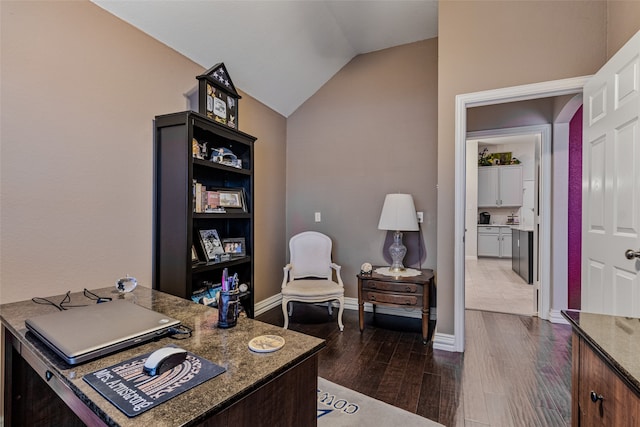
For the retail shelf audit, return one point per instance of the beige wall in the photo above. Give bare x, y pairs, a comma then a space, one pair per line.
623, 17
511, 114
80, 89
493, 44
269, 176
369, 131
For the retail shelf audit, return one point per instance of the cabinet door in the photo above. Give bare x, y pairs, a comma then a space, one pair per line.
619, 405
505, 243
510, 184
488, 245
487, 186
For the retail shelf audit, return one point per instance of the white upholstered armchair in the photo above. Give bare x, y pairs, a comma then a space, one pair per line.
309, 277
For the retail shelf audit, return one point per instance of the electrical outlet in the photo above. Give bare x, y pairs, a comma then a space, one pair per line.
318, 217
420, 217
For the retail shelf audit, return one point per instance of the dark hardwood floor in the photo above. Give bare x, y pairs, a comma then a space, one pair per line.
516, 370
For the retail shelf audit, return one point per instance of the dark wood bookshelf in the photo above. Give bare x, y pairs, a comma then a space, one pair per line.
176, 224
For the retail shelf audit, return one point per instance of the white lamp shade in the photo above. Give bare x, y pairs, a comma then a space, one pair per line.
398, 213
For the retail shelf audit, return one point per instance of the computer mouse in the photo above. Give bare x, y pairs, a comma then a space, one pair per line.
164, 359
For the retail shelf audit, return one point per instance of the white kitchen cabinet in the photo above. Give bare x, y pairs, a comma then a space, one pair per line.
494, 241
499, 186
505, 242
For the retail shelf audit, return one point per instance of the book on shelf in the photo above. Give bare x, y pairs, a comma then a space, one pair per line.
207, 201
198, 196
213, 200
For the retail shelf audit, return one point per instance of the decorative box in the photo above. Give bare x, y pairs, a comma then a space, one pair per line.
218, 98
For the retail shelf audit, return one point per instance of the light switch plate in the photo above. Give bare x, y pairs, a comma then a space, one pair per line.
318, 217
420, 217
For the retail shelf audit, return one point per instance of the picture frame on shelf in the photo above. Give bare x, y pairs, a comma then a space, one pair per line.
211, 244
194, 255
217, 96
502, 158
234, 246
233, 198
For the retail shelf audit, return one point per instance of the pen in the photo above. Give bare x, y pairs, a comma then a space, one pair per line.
225, 284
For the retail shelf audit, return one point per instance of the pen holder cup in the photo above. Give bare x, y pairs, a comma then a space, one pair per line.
228, 308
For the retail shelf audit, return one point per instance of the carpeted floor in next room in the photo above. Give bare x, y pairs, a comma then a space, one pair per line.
516, 370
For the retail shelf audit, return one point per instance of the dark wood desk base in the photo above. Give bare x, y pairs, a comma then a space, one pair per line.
391, 291
31, 399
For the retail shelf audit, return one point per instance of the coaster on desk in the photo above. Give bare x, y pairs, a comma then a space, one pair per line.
133, 392
266, 343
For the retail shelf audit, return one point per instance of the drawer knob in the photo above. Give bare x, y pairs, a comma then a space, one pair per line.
372, 297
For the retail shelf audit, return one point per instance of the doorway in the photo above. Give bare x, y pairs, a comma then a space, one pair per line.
494, 280
491, 97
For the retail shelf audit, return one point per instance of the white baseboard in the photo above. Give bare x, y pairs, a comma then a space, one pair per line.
267, 304
556, 317
444, 342
350, 303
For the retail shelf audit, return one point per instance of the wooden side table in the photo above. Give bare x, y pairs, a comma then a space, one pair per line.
393, 291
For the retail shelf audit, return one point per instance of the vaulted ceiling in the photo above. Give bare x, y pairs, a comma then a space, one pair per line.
279, 52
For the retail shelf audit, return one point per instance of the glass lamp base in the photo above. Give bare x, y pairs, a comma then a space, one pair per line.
397, 251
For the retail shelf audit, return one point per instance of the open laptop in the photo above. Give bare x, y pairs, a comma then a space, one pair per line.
84, 333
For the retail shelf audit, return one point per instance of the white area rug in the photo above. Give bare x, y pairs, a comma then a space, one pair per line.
341, 407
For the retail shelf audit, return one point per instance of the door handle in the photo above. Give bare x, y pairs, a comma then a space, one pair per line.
631, 254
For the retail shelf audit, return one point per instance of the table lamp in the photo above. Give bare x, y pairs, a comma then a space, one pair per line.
398, 214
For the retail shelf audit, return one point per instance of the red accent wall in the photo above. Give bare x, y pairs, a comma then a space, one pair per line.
575, 211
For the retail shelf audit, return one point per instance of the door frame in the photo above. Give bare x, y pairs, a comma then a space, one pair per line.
541, 291
476, 99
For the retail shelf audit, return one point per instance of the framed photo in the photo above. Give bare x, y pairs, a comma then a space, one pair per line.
235, 247
502, 158
211, 244
194, 255
232, 198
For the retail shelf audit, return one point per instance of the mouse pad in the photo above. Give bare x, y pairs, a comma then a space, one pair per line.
133, 392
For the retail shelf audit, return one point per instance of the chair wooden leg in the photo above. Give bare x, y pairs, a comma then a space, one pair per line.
286, 315
340, 310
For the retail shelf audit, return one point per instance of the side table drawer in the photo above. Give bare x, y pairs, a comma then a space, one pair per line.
408, 300
409, 288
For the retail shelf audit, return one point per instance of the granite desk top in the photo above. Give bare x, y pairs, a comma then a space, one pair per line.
616, 338
246, 370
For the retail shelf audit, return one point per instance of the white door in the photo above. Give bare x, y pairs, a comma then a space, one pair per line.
611, 185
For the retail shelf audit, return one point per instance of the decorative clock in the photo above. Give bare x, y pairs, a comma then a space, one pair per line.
366, 269
217, 96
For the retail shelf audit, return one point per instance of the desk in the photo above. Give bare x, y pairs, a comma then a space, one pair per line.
391, 291
258, 389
